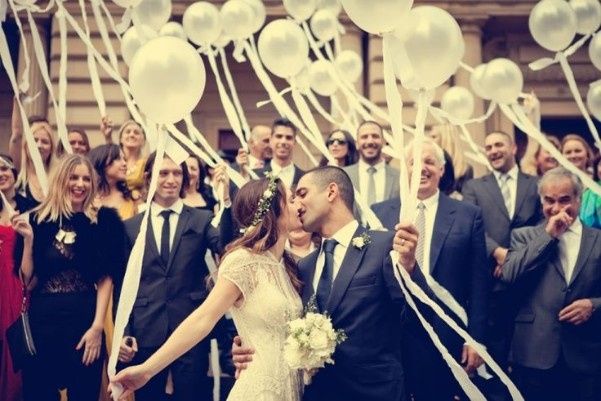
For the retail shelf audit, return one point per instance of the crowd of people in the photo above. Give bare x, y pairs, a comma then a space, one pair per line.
519, 253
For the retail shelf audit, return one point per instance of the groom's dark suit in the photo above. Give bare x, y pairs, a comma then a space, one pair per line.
367, 303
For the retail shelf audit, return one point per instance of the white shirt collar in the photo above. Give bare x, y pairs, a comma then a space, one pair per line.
277, 169
344, 236
364, 166
575, 228
431, 202
177, 208
513, 173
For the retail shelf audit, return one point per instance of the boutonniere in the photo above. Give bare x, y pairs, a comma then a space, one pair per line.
360, 241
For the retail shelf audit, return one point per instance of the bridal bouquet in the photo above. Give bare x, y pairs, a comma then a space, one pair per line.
311, 342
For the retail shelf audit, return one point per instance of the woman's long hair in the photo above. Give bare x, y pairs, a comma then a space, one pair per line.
8, 161
352, 156
265, 234
101, 157
58, 202
575, 137
37, 123
448, 140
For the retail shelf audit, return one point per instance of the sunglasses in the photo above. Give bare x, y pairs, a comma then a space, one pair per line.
338, 141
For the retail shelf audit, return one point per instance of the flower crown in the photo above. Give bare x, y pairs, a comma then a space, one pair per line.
265, 201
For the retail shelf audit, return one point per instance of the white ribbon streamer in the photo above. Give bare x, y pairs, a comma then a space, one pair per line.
24, 84
94, 78
62, 71
234, 92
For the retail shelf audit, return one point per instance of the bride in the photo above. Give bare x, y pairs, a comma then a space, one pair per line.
258, 283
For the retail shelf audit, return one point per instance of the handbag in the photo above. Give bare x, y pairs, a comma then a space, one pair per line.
18, 335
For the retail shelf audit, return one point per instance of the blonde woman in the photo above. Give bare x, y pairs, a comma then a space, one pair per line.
77, 250
28, 183
447, 137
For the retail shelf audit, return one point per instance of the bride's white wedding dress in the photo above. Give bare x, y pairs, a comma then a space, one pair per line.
261, 318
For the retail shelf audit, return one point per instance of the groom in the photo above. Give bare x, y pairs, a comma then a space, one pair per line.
354, 283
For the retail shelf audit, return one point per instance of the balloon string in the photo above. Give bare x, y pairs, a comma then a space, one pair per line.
315, 103
109, 17
62, 73
234, 92
94, 78
24, 84
480, 157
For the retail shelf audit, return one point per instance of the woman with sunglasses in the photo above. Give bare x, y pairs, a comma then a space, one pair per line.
341, 146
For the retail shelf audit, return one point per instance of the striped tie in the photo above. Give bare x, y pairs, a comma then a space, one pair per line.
420, 224
506, 192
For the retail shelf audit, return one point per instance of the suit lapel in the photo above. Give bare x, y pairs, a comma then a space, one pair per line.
445, 216
182, 225
522, 187
587, 244
495, 193
348, 268
307, 271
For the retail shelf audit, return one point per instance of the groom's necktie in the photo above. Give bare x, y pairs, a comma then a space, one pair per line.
324, 286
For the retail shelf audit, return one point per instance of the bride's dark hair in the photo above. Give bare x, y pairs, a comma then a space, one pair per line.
265, 233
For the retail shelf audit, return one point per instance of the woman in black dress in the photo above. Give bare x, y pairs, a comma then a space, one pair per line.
77, 250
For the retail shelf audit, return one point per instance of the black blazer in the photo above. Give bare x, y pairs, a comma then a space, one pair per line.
367, 303
485, 192
534, 269
457, 260
169, 293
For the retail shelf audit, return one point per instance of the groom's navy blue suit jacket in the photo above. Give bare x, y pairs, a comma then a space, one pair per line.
458, 262
367, 303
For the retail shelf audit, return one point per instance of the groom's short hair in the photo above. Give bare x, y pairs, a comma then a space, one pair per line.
325, 175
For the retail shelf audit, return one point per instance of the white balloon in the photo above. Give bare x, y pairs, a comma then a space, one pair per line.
202, 23
222, 41
127, 3
434, 45
238, 19
503, 80
300, 10
133, 39
593, 101
594, 51
154, 13
331, 5
458, 102
588, 15
321, 73
552, 24
349, 65
302, 80
377, 16
324, 25
260, 14
477, 84
167, 78
283, 48
174, 29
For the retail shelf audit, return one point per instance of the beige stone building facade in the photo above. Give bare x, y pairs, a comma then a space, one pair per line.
491, 29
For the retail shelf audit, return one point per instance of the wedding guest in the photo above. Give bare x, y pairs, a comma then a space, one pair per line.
132, 140
371, 176
301, 243
543, 159
8, 180
78, 139
28, 183
259, 151
199, 194
341, 146
577, 151
77, 249
11, 293
590, 210
447, 137
554, 269
111, 169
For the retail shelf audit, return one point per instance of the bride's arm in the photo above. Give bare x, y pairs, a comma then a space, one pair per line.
189, 333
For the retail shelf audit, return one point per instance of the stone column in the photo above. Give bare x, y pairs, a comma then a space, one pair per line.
39, 107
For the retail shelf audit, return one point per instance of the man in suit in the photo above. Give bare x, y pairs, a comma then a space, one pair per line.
555, 272
509, 200
282, 142
355, 285
371, 176
172, 284
451, 251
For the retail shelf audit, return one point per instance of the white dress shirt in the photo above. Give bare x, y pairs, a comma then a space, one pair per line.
255, 163
379, 179
157, 221
513, 186
569, 247
344, 236
286, 174
431, 207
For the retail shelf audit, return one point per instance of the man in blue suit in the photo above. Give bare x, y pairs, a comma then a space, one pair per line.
453, 253
355, 284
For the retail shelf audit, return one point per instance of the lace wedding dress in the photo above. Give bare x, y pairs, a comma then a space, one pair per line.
261, 317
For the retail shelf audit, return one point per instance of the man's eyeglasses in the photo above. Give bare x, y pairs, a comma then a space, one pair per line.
338, 141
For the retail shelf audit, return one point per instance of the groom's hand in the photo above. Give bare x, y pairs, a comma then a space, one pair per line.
470, 359
241, 355
405, 242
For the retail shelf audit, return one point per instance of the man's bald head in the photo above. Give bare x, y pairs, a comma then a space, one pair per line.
258, 142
